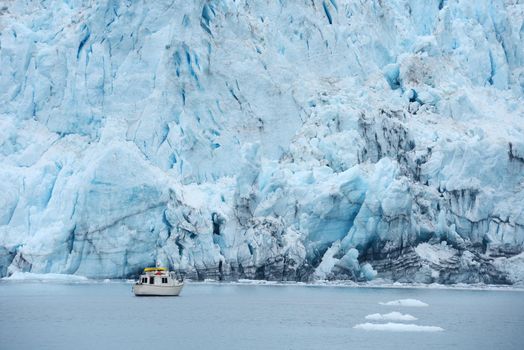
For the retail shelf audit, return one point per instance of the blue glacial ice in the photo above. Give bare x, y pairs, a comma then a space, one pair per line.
285, 141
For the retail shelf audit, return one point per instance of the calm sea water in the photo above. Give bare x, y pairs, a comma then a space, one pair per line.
212, 316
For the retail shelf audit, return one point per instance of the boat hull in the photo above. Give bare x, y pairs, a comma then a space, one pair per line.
154, 290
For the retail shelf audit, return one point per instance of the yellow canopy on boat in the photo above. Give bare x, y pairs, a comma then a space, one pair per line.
149, 269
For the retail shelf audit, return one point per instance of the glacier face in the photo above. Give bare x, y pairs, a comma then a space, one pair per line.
288, 140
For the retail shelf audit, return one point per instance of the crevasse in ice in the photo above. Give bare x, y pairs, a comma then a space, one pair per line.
289, 140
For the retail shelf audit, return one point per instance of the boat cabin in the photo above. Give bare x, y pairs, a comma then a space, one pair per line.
157, 276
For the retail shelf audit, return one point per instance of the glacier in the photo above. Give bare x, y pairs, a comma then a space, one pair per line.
284, 140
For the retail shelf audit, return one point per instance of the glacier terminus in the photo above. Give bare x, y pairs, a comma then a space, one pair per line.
280, 140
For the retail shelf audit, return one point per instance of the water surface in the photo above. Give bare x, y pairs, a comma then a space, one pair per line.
214, 316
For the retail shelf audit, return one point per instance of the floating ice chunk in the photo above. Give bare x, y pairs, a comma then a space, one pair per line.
405, 302
392, 316
397, 327
28, 276
256, 282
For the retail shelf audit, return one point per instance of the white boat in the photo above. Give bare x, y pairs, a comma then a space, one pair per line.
157, 281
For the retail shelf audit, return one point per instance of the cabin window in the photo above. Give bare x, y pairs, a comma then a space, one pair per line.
144, 279
152, 280
164, 279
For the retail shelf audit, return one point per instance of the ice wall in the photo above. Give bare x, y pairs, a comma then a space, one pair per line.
263, 139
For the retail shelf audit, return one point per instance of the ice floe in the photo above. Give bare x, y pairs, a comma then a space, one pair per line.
405, 302
397, 327
392, 316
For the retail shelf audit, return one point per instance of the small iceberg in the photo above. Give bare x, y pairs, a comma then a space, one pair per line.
392, 316
397, 327
405, 302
